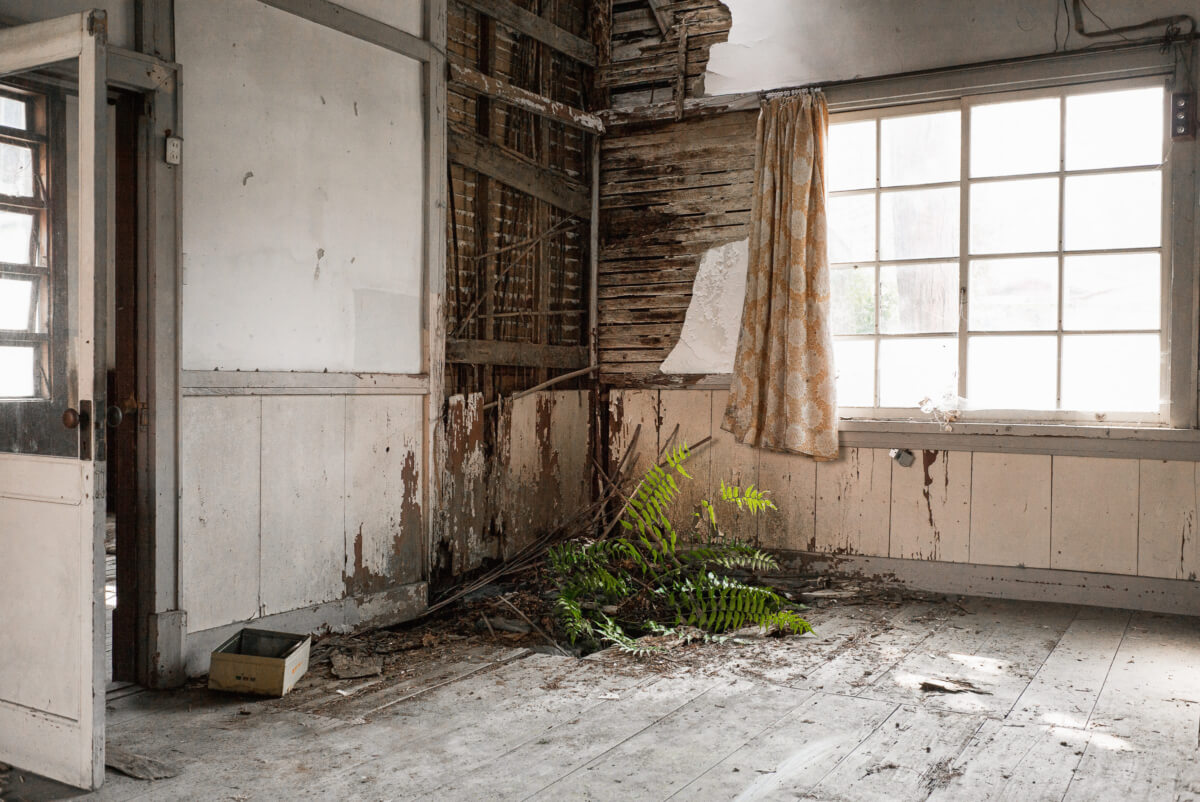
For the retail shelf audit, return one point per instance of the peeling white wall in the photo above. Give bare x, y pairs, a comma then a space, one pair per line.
708, 343
302, 193
776, 43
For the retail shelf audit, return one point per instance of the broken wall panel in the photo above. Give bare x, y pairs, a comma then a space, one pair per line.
498, 499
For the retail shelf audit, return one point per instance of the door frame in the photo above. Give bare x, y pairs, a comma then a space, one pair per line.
161, 624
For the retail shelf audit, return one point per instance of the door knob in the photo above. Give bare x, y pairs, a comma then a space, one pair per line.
70, 419
113, 417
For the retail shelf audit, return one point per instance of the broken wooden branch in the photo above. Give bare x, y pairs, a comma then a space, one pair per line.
539, 387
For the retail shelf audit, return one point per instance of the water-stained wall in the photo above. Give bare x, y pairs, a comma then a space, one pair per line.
1127, 517
496, 501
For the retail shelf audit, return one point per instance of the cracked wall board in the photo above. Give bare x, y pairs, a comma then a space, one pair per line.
854, 502
1095, 515
384, 535
931, 507
1167, 507
219, 510
303, 501
1010, 510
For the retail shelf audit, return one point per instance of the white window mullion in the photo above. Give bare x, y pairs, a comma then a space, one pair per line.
878, 228
1062, 215
964, 241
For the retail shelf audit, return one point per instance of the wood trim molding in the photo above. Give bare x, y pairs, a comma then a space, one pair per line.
232, 382
1171, 596
360, 26
529, 355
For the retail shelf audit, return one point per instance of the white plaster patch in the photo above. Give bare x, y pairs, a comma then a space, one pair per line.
709, 340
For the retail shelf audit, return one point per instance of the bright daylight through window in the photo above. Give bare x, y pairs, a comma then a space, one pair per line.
1002, 253
24, 275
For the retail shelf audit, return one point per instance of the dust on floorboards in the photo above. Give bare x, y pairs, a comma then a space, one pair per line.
1058, 703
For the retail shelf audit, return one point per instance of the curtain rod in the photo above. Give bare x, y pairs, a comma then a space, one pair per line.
785, 91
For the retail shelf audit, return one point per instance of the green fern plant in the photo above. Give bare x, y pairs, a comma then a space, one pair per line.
687, 581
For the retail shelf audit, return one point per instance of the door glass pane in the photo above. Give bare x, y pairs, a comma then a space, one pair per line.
1121, 210
16, 170
918, 224
1013, 294
1014, 138
12, 113
1111, 372
16, 298
851, 220
850, 159
1112, 291
16, 371
1115, 129
854, 361
16, 231
918, 299
911, 370
852, 296
1014, 216
1012, 372
920, 149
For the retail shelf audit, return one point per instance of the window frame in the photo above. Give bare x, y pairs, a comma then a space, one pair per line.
1053, 75
964, 184
40, 270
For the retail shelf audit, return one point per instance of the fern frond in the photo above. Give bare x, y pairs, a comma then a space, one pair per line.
611, 632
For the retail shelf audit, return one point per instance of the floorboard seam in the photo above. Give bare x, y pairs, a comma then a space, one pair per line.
742, 745
646, 683
617, 745
1087, 723
847, 756
1045, 660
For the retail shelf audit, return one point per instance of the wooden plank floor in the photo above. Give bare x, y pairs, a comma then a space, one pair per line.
1059, 703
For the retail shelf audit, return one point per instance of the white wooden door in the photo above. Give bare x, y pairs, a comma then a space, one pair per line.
52, 406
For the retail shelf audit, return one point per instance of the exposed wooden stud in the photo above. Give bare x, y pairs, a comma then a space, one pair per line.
532, 25
518, 173
693, 107
433, 25
528, 355
681, 77
526, 100
662, 15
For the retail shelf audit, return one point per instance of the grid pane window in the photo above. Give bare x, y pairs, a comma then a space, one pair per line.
25, 273
1007, 255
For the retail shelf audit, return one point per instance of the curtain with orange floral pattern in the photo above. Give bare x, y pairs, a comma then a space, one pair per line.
783, 395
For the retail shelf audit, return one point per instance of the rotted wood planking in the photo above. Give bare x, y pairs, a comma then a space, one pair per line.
497, 499
669, 194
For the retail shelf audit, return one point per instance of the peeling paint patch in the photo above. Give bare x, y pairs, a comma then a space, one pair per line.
708, 342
